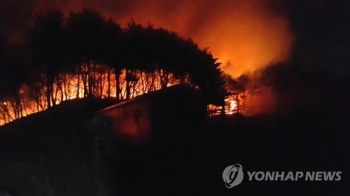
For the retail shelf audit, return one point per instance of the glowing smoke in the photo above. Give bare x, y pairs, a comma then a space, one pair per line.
248, 34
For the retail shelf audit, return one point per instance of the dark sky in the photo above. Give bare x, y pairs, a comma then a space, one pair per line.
320, 28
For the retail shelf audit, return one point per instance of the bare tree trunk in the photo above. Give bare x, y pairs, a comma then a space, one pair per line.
54, 98
152, 85
117, 78
84, 80
109, 81
85, 85
164, 78
102, 83
128, 80
48, 94
127, 89
89, 74
19, 106
78, 83
223, 108
23, 105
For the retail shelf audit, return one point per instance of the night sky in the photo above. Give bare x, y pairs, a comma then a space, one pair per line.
322, 29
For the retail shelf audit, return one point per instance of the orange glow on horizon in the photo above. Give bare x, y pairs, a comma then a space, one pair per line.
247, 34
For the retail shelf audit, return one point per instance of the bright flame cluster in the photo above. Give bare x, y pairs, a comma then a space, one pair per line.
71, 86
230, 107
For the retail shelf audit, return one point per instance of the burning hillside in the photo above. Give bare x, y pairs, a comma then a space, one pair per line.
72, 60
70, 86
243, 35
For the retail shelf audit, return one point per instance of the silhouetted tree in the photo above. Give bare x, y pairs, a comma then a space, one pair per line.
112, 53
47, 40
86, 38
11, 78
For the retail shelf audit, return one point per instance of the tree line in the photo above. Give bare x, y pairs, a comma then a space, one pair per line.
84, 55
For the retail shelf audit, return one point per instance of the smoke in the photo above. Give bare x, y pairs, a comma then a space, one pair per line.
243, 35
284, 89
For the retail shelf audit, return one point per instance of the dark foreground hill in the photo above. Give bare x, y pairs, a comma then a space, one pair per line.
55, 153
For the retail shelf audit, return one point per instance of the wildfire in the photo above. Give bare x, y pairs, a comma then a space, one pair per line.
244, 35
73, 86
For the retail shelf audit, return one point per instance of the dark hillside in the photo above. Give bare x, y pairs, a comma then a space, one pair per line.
54, 153
48, 150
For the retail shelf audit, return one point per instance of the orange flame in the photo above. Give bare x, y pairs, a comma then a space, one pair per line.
71, 86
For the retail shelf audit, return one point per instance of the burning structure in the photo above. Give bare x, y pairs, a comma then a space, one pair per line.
233, 103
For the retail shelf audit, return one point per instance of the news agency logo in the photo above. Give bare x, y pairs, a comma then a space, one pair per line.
233, 175
295, 176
